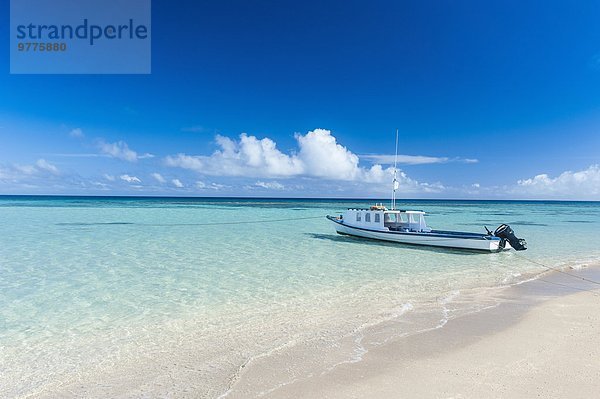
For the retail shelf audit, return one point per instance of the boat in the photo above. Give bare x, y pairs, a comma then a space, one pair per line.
409, 227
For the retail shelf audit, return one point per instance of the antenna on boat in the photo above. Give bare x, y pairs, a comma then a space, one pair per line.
395, 182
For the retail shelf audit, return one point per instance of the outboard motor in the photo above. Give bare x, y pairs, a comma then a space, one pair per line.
507, 234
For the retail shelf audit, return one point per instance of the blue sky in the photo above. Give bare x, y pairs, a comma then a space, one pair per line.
278, 98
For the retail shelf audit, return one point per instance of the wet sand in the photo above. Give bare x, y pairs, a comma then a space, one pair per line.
538, 339
541, 341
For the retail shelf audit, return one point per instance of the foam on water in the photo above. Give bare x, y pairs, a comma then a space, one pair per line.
156, 296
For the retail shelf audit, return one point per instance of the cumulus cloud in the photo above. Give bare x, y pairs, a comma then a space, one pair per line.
130, 179
121, 150
177, 183
248, 157
322, 156
319, 155
273, 185
77, 133
581, 184
158, 177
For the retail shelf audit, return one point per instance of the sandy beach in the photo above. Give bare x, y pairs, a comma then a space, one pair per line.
542, 341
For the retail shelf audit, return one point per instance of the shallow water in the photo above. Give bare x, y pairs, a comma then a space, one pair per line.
179, 292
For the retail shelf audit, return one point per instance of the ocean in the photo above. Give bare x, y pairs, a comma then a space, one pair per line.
168, 296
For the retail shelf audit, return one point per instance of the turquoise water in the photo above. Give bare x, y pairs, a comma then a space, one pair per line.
185, 292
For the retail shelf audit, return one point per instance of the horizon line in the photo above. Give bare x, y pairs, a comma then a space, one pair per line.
287, 198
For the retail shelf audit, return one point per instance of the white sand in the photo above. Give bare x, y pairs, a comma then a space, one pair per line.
553, 351
539, 342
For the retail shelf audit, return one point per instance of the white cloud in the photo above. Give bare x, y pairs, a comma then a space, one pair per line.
405, 159
248, 157
121, 150
273, 185
100, 185
581, 184
130, 179
158, 177
42, 164
8, 173
322, 156
16, 173
212, 186
319, 155
109, 177
76, 133
26, 169
177, 183
415, 159
40, 167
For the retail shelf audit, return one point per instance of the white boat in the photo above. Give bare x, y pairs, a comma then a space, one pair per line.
409, 227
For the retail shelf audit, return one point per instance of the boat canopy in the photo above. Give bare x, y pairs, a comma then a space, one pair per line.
380, 218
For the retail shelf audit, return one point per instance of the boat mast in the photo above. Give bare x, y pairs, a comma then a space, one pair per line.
395, 182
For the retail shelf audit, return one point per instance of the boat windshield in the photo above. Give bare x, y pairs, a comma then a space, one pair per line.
390, 218
395, 218
395, 221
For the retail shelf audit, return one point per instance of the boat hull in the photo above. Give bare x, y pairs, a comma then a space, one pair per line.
445, 239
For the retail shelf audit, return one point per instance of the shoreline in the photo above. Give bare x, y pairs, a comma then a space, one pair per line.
369, 362
526, 343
